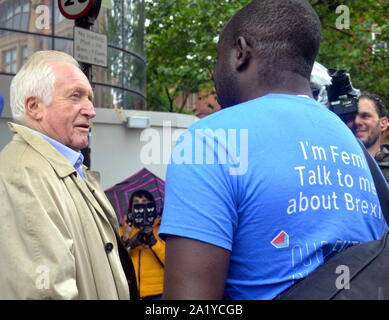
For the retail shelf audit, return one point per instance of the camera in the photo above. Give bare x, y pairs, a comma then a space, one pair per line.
142, 215
334, 89
342, 97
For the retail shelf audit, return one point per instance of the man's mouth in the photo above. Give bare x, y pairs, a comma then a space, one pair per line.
360, 132
83, 126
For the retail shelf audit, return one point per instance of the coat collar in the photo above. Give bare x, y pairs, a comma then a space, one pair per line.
90, 188
60, 164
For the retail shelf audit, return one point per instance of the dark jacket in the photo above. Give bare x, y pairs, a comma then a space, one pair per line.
382, 158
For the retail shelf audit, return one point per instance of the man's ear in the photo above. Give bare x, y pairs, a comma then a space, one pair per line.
383, 124
243, 54
33, 108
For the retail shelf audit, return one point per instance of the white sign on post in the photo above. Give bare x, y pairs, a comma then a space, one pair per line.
90, 47
74, 9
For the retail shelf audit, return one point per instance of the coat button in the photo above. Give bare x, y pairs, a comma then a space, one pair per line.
108, 247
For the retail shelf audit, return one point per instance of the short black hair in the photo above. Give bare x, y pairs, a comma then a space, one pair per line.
379, 104
140, 194
285, 34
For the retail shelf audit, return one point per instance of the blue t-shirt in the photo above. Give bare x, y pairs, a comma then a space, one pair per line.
280, 182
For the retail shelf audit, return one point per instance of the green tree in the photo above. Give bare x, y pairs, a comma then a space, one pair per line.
182, 34
180, 47
351, 46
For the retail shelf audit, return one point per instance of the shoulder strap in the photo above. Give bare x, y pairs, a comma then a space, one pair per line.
379, 181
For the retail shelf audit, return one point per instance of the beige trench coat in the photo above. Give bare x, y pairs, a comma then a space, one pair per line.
56, 231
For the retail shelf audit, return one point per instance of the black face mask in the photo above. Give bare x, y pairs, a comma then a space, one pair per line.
143, 214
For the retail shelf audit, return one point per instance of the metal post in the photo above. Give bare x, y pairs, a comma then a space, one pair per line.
87, 22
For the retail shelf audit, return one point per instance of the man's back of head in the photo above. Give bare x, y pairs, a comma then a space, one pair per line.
284, 39
284, 33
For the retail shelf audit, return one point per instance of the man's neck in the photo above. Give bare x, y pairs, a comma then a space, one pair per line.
289, 83
262, 91
375, 148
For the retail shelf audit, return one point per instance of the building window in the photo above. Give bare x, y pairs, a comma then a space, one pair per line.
122, 83
24, 52
15, 14
9, 61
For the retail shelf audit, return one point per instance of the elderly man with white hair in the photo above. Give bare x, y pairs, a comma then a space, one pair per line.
59, 232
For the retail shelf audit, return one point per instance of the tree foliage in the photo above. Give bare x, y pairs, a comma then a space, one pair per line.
180, 46
182, 34
352, 48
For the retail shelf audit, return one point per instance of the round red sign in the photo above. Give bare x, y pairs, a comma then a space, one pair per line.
74, 9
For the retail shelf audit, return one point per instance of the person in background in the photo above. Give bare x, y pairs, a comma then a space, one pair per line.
60, 233
147, 250
369, 125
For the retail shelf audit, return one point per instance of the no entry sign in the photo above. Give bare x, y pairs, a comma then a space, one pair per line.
74, 9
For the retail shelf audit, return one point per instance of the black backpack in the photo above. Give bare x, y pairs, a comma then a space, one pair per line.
360, 272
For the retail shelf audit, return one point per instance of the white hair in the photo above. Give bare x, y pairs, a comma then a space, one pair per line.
36, 78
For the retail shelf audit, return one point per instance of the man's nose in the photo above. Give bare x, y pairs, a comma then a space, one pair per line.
88, 110
354, 122
357, 121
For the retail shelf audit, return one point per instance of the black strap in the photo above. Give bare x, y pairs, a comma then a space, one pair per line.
379, 181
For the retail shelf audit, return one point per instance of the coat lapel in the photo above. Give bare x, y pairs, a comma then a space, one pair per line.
89, 188
100, 202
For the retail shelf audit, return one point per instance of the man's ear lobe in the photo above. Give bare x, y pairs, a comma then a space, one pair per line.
33, 108
243, 54
384, 123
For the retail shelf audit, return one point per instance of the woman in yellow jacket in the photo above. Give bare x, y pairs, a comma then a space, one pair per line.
147, 250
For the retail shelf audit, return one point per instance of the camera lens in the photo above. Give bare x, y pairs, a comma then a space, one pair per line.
341, 82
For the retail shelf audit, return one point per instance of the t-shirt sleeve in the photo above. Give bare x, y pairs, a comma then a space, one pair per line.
199, 202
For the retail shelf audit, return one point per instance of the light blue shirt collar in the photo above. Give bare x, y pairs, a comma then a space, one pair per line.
75, 158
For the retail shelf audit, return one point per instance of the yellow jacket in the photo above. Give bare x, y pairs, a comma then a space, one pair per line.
57, 231
149, 264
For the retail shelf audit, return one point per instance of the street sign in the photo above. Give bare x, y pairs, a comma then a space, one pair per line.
74, 9
90, 47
